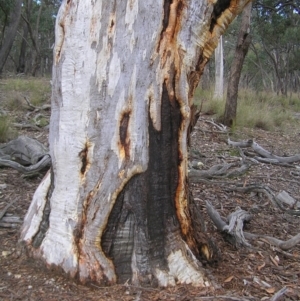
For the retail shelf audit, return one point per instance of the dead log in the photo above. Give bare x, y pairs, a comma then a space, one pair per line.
24, 150
268, 192
235, 229
281, 244
235, 225
28, 170
26, 155
264, 154
218, 171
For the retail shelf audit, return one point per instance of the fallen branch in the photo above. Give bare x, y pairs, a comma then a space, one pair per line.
279, 294
35, 108
236, 221
27, 126
268, 192
281, 244
28, 170
218, 171
267, 157
234, 228
223, 298
4, 210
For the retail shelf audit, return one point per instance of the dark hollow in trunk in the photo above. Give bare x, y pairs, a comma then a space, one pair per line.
144, 211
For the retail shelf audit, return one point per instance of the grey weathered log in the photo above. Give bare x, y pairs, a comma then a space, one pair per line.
215, 217
264, 153
283, 245
28, 170
11, 219
218, 171
26, 126
268, 192
24, 150
234, 228
236, 224
285, 198
9, 225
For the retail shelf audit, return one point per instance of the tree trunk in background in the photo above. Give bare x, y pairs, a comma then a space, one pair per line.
243, 43
10, 32
35, 41
22, 56
115, 205
219, 71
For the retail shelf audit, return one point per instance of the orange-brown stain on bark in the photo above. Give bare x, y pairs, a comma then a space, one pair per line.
84, 157
124, 142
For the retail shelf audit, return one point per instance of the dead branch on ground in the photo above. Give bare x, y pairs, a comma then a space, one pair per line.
238, 237
26, 155
264, 155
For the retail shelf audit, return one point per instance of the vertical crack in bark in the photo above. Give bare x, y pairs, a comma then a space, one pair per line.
124, 134
84, 160
44, 225
171, 21
84, 157
78, 232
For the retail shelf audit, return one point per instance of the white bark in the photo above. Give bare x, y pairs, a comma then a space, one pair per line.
112, 60
219, 71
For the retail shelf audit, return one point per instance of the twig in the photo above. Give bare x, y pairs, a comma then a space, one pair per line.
279, 294
4, 210
27, 126
223, 298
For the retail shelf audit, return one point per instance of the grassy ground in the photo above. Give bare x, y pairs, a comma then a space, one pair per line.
255, 109
13, 105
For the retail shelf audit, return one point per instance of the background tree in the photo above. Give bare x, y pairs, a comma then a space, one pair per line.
11, 13
242, 47
277, 28
116, 205
219, 70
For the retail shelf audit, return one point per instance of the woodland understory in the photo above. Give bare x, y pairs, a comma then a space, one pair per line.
245, 184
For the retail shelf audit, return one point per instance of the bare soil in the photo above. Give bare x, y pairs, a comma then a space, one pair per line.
248, 273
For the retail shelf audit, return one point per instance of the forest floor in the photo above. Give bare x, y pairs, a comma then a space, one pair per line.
255, 273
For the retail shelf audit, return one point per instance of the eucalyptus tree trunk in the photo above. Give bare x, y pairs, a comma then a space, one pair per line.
219, 71
10, 32
115, 204
243, 43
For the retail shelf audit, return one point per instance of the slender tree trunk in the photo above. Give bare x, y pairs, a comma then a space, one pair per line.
219, 71
22, 56
115, 205
243, 43
10, 32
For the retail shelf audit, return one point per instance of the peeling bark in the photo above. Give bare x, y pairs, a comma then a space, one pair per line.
118, 199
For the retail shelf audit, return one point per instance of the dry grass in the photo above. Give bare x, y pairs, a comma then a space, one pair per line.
13, 104
6, 132
37, 90
255, 109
